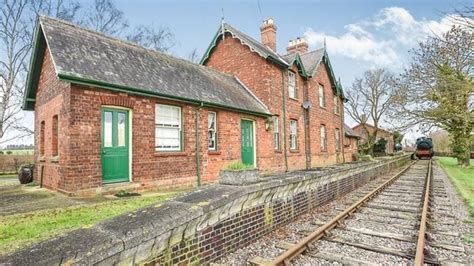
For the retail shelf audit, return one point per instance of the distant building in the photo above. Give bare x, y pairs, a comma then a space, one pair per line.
351, 142
381, 133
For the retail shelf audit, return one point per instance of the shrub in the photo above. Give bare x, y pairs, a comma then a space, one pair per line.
9, 152
238, 166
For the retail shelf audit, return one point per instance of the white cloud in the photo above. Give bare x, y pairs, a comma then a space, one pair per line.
381, 38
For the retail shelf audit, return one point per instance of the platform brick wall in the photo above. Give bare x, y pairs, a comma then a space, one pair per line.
262, 212
270, 82
203, 225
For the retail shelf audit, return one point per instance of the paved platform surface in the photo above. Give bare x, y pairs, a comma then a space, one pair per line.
16, 198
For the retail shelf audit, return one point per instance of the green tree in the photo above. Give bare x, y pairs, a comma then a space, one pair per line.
435, 90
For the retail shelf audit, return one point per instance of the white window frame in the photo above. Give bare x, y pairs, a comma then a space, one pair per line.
322, 96
324, 138
336, 105
292, 85
293, 134
212, 131
276, 133
177, 126
337, 137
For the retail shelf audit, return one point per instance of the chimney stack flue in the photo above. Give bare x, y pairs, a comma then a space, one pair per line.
297, 45
268, 33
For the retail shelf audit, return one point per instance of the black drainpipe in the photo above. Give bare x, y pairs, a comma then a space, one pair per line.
198, 158
284, 119
307, 147
343, 133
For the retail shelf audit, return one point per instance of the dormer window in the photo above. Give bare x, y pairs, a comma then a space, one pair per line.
291, 85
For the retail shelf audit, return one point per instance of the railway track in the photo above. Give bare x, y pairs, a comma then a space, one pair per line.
388, 222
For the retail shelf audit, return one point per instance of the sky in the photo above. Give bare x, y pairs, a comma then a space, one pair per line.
360, 34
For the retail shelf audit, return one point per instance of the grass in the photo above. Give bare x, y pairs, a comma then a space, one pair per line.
19, 152
17, 231
462, 178
238, 166
8, 176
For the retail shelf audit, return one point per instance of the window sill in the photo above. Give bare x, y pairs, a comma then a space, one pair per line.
278, 151
214, 152
294, 151
169, 153
42, 159
323, 107
55, 159
324, 151
294, 99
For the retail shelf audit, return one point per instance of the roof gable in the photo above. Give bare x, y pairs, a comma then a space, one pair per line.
307, 63
254, 45
85, 57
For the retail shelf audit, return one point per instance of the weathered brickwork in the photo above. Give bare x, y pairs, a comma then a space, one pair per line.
79, 132
201, 226
269, 82
52, 99
264, 216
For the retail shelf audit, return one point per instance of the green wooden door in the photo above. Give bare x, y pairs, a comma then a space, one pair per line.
115, 145
247, 145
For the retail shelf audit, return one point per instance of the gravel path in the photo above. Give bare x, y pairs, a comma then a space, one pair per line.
448, 218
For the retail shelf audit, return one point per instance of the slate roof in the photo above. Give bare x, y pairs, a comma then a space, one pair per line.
310, 60
349, 132
85, 56
253, 44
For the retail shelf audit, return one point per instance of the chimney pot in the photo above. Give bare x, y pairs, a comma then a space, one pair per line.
268, 33
297, 45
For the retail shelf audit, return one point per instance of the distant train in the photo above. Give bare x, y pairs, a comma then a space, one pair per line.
424, 148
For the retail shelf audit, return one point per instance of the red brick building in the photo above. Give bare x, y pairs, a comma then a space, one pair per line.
381, 133
109, 111
299, 88
351, 143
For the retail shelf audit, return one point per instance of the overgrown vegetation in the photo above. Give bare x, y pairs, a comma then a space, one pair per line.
435, 90
238, 166
462, 178
17, 231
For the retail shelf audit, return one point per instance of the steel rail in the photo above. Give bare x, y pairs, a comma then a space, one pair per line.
420, 245
303, 245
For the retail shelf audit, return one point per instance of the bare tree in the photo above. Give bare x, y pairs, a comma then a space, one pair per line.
369, 99
66, 10
160, 39
193, 56
15, 47
16, 28
105, 17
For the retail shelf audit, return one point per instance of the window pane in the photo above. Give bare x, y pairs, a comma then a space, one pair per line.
211, 120
168, 127
108, 129
168, 115
167, 138
121, 129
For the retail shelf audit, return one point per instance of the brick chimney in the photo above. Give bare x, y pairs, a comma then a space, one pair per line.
268, 33
297, 45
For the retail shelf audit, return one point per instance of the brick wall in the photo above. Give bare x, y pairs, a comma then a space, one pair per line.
77, 165
52, 98
269, 81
